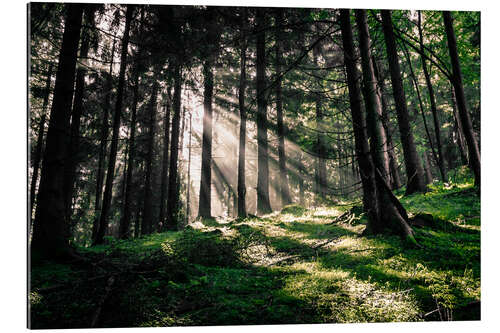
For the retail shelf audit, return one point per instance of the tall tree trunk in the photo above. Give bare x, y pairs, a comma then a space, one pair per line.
378, 140
421, 105
363, 156
263, 203
432, 100
389, 146
242, 210
70, 171
164, 170
124, 230
39, 141
474, 154
173, 194
459, 131
50, 230
427, 168
387, 214
108, 190
321, 184
414, 170
147, 220
103, 146
204, 204
188, 194
283, 184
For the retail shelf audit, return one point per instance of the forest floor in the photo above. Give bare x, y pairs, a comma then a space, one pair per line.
295, 266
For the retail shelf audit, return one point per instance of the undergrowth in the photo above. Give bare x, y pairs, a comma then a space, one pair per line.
296, 266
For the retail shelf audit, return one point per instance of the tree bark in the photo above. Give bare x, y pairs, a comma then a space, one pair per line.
459, 131
204, 204
39, 141
173, 194
393, 160
421, 106
242, 210
164, 170
103, 146
106, 203
73, 159
427, 168
413, 166
387, 212
320, 181
378, 140
432, 100
365, 162
124, 230
50, 230
474, 154
283, 174
263, 203
147, 220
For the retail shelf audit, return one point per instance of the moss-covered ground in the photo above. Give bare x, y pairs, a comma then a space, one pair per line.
297, 266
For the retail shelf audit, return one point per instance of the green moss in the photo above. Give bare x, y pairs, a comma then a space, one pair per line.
289, 267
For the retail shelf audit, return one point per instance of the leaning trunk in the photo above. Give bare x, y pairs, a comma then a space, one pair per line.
39, 141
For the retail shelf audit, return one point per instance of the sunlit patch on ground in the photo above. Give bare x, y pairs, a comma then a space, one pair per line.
297, 266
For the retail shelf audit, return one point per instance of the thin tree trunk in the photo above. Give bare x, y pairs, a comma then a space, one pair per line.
205, 204
242, 211
320, 180
188, 194
103, 146
50, 230
147, 221
164, 170
414, 170
459, 131
432, 100
474, 154
106, 203
263, 203
124, 230
393, 160
283, 184
421, 104
173, 194
39, 142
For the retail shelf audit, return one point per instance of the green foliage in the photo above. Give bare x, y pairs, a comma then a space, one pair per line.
299, 266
